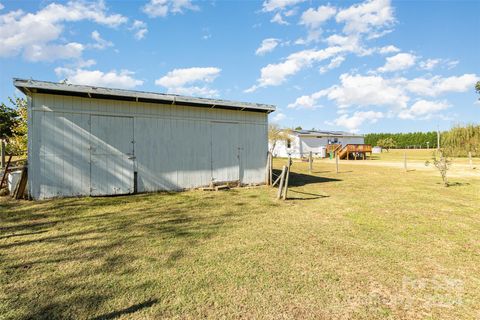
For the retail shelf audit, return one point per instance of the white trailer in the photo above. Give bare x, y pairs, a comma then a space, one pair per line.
299, 143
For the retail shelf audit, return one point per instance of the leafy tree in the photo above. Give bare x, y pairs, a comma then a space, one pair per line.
13, 125
8, 118
18, 141
442, 162
387, 143
477, 87
298, 128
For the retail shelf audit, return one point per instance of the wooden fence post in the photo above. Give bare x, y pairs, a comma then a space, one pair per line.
3, 154
287, 175
280, 186
470, 159
336, 161
310, 161
405, 161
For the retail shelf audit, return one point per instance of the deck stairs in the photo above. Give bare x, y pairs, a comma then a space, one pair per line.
350, 151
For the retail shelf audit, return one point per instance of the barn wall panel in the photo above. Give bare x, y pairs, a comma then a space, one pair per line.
172, 144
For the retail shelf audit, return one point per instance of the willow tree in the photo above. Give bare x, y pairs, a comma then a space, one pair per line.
460, 140
276, 134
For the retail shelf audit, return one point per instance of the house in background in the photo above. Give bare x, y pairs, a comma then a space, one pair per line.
85, 140
299, 143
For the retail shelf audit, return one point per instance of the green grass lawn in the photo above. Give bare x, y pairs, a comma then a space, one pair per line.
369, 242
415, 155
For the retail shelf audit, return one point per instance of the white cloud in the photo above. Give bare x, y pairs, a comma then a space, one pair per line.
273, 5
429, 64
313, 19
33, 34
353, 122
140, 29
357, 90
368, 91
1, 6
85, 63
36, 52
100, 43
370, 17
308, 102
423, 109
278, 117
334, 63
276, 74
280, 7
123, 79
452, 64
437, 85
180, 77
388, 49
161, 8
277, 18
398, 62
190, 81
267, 45
391, 95
350, 43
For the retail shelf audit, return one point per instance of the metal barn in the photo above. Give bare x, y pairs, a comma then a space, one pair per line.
85, 140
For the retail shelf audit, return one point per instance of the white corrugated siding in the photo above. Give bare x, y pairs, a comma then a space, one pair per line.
81, 146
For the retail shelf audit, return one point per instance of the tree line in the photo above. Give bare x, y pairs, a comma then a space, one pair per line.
457, 142
404, 140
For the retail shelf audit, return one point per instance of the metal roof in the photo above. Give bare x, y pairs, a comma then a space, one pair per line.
326, 133
35, 86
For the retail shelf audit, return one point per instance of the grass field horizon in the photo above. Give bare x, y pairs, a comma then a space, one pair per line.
372, 241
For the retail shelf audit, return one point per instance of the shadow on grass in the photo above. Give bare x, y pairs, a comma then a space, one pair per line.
312, 196
132, 309
83, 249
300, 179
458, 184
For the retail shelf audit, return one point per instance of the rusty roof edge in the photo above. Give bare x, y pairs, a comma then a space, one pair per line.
23, 84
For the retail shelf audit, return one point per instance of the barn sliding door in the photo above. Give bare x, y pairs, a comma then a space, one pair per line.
112, 154
225, 151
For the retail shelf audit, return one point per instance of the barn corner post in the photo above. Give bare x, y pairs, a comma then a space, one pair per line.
268, 169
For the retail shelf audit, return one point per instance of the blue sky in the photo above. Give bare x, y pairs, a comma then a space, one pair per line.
362, 66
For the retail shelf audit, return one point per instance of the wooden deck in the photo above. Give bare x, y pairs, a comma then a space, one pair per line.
350, 151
